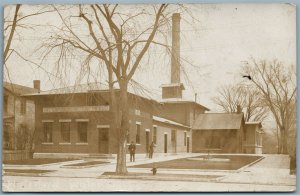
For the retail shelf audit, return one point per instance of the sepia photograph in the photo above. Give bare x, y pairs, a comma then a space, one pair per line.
149, 97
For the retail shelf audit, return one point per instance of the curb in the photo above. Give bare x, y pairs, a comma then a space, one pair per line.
27, 174
81, 167
48, 164
250, 164
214, 180
158, 178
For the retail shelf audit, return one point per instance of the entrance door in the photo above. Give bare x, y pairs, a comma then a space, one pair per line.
147, 141
166, 143
188, 144
103, 140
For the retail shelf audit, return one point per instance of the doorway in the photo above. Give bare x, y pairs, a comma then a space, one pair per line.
166, 143
103, 140
188, 144
147, 142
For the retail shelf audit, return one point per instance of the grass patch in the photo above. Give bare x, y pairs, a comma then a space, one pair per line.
90, 163
36, 161
236, 162
26, 171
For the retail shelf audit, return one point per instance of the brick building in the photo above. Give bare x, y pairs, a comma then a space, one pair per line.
77, 120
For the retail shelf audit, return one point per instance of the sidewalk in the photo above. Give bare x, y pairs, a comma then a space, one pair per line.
272, 170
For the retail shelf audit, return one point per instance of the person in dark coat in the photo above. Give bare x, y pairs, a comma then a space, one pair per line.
131, 149
151, 150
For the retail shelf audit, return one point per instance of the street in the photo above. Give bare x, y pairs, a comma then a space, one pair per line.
55, 184
269, 174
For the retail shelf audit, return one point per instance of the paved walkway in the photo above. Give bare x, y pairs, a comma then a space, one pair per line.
271, 170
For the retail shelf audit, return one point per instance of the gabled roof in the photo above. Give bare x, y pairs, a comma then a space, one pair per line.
133, 88
93, 87
210, 121
181, 101
79, 88
164, 120
255, 123
18, 89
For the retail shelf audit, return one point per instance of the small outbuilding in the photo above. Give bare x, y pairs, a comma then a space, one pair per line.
254, 136
218, 133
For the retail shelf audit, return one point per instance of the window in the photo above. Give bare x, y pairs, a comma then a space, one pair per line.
154, 135
65, 131
23, 106
48, 132
6, 137
104, 134
173, 136
194, 114
128, 136
138, 133
184, 137
82, 131
5, 102
22, 137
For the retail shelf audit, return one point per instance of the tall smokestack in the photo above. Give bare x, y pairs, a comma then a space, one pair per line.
174, 89
175, 58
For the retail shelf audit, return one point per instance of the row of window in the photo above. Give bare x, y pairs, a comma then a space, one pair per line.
82, 128
65, 131
154, 135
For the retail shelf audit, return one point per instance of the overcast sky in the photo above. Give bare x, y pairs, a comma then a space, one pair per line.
221, 37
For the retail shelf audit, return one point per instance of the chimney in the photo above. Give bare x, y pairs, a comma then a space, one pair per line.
37, 85
238, 109
175, 58
174, 89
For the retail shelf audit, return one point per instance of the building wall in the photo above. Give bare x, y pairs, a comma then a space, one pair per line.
79, 101
140, 112
57, 145
227, 141
184, 113
164, 129
253, 141
27, 119
18, 121
10, 103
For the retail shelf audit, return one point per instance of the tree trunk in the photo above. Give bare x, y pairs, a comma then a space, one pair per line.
123, 130
278, 141
283, 141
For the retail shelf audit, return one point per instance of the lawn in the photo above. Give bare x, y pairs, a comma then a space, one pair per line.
89, 163
235, 162
37, 161
26, 171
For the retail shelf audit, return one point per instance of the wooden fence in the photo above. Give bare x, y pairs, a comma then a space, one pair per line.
16, 155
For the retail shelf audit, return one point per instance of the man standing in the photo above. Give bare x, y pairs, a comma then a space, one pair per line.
131, 149
151, 150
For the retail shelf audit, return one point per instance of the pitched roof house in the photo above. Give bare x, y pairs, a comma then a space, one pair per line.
18, 115
218, 132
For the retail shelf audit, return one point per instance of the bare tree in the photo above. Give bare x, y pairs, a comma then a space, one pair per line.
118, 39
15, 22
231, 96
277, 85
